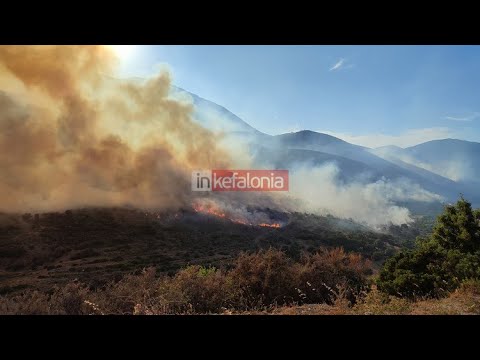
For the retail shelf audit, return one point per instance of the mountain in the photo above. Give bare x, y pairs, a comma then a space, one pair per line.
216, 117
389, 151
403, 159
345, 155
458, 160
424, 164
278, 158
453, 159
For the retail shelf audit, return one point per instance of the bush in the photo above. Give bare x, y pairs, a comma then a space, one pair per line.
121, 297
203, 290
377, 303
254, 282
69, 300
263, 278
320, 276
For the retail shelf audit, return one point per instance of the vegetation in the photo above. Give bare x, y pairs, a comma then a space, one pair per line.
440, 262
330, 282
99, 245
256, 282
463, 301
124, 262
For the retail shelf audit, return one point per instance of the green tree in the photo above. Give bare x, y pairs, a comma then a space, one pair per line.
458, 227
439, 263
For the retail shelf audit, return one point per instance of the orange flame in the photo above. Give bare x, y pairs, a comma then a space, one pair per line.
218, 213
209, 210
274, 225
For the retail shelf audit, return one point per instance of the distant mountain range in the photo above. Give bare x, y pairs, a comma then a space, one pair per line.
446, 167
458, 160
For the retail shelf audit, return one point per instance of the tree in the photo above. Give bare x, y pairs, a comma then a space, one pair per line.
458, 227
440, 262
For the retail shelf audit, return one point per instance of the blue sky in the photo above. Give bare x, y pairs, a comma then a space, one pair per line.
370, 95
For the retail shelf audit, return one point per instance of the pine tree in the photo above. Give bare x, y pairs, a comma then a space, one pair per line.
439, 263
458, 227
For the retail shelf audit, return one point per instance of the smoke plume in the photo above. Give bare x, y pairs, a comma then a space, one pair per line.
72, 135
372, 203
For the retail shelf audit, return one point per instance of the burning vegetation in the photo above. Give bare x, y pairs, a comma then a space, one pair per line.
239, 217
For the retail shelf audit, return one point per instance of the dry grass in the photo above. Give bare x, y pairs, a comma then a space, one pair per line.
464, 301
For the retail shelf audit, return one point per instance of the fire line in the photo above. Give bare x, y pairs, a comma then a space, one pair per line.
218, 213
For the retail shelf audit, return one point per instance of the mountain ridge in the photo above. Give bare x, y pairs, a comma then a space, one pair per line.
311, 147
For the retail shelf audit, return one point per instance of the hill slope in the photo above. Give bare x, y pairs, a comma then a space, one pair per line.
98, 245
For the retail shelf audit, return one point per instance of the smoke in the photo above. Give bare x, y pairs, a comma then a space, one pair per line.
457, 168
321, 192
71, 135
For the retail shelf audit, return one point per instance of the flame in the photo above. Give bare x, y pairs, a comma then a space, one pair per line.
274, 225
211, 210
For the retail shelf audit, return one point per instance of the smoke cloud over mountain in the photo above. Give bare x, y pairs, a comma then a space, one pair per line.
72, 135
372, 203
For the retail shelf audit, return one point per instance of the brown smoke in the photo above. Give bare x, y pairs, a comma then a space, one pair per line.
72, 135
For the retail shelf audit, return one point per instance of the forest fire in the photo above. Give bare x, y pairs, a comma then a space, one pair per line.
209, 210
213, 210
274, 225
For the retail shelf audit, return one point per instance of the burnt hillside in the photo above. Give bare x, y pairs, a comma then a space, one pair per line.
98, 245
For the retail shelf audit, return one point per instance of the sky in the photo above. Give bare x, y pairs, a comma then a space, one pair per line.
367, 95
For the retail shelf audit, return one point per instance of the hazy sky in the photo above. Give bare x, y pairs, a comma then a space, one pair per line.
369, 95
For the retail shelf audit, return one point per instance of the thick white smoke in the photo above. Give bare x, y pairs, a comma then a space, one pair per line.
370, 203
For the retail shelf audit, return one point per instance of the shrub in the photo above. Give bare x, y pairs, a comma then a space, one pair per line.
377, 303
254, 282
122, 296
319, 276
263, 278
68, 300
203, 290
192, 290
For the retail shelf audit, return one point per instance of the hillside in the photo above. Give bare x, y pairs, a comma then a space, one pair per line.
97, 245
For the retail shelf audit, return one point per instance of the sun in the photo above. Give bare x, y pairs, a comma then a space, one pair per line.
124, 52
